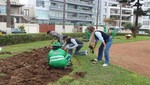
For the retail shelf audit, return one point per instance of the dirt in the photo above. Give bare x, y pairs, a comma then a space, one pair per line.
29, 68
79, 75
134, 56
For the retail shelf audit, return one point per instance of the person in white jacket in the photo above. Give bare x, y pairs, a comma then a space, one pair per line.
71, 43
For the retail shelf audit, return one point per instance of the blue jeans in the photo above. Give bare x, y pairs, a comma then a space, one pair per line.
106, 51
77, 49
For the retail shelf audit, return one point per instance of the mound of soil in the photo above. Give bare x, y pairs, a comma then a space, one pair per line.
29, 68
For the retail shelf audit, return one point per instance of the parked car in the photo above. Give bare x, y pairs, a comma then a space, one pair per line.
3, 32
17, 30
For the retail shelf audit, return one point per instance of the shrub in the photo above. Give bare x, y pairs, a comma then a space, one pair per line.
26, 38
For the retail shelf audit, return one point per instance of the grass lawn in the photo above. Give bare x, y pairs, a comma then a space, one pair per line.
96, 74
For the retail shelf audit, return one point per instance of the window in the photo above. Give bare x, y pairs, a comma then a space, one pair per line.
2, 9
105, 10
145, 22
105, 3
145, 17
26, 12
53, 4
13, 2
40, 3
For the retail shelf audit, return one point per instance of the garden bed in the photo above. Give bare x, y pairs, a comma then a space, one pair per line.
29, 68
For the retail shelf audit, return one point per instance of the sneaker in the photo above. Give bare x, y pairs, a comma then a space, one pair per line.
94, 60
105, 64
86, 52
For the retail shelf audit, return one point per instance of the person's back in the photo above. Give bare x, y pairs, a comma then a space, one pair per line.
57, 35
58, 58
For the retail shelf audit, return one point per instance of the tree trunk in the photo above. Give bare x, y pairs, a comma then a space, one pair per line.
136, 21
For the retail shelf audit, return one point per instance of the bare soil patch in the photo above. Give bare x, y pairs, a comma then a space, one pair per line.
29, 68
133, 56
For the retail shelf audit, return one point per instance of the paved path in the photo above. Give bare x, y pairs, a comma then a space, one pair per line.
133, 56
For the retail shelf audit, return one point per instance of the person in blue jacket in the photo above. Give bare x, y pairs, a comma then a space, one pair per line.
106, 40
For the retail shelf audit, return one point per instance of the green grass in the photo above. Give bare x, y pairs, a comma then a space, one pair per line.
122, 39
96, 74
15, 49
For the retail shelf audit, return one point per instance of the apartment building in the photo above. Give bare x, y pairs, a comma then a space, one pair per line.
126, 15
103, 10
78, 12
146, 19
15, 10
51, 11
36, 11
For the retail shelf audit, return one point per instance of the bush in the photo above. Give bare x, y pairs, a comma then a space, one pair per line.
22, 38
26, 38
75, 35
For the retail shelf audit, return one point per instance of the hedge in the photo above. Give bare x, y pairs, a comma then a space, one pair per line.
26, 38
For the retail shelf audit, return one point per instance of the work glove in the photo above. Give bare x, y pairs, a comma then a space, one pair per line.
67, 47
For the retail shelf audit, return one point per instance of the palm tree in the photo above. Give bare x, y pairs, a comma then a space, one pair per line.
140, 12
110, 21
131, 26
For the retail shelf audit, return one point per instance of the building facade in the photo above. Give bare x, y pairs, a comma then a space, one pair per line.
78, 12
146, 19
103, 10
122, 16
51, 11
15, 12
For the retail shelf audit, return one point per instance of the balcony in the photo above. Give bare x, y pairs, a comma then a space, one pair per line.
56, 8
79, 18
72, 18
79, 11
14, 4
78, 2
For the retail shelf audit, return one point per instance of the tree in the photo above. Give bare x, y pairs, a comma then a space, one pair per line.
141, 12
110, 21
137, 4
131, 26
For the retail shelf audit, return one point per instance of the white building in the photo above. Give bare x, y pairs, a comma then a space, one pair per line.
51, 11
78, 12
103, 10
126, 15
146, 19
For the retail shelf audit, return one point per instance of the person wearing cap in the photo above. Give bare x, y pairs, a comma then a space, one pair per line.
57, 35
97, 35
57, 57
72, 43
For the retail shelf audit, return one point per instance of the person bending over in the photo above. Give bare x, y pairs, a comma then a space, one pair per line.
57, 57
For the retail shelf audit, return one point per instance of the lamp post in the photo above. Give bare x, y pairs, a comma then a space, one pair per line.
8, 16
120, 15
97, 15
64, 14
